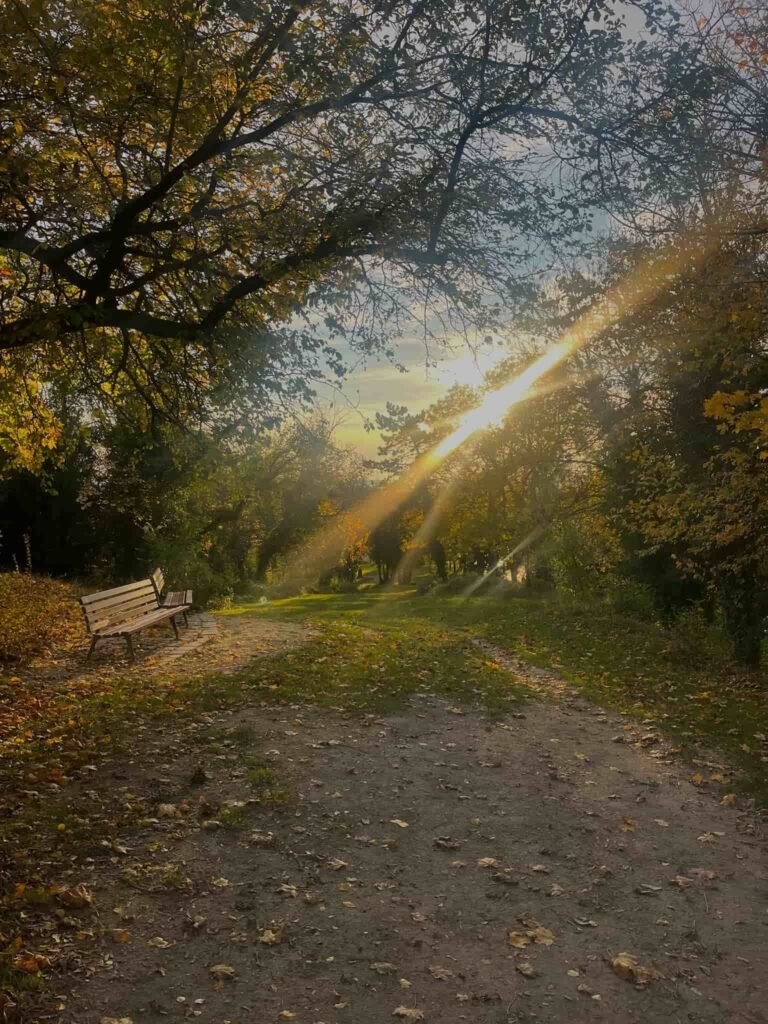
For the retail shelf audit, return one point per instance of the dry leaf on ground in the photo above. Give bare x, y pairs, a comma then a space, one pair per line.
627, 967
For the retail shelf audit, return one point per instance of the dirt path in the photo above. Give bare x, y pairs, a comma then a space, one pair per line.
426, 865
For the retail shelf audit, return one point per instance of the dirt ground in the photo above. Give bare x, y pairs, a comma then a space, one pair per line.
429, 865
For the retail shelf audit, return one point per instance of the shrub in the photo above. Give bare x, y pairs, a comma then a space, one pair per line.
692, 642
343, 587
628, 597
36, 614
456, 584
472, 584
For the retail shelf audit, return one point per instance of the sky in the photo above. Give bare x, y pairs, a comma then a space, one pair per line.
368, 388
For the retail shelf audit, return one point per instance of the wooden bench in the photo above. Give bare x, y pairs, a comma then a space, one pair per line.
124, 611
181, 599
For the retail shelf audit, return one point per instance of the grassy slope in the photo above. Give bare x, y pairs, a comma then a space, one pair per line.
681, 682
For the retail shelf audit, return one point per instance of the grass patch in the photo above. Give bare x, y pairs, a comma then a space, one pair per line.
681, 680
261, 776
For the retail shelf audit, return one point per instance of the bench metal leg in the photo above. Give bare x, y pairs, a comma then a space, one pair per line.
92, 648
175, 627
129, 645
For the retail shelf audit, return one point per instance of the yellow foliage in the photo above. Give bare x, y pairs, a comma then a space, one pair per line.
36, 614
739, 411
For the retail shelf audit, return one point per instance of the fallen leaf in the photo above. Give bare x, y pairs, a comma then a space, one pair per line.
487, 862
261, 839
383, 967
158, 942
709, 837
542, 936
518, 939
446, 843
408, 1013
527, 969
30, 963
440, 973
399, 822
221, 972
628, 968
75, 898
646, 889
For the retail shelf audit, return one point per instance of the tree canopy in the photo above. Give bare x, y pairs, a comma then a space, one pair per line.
200, 199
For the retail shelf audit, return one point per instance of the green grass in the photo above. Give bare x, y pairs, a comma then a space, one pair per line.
680, 681
367, 668
261, 776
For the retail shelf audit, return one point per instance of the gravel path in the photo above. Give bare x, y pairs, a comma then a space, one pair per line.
430, 865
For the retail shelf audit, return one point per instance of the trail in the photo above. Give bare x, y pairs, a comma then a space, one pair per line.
427, 865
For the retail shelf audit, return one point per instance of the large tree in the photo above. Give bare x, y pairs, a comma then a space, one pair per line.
189, 188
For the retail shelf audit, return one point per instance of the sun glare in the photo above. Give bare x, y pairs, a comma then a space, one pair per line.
497, 404
626, 298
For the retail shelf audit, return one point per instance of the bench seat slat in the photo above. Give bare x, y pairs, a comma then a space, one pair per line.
111, 616
121, 607
121, 629
102, 595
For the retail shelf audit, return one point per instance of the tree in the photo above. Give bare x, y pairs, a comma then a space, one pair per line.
386, 547
682, 450
190, 189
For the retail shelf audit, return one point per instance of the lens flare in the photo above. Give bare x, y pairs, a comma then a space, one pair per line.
628, 297
497, 404
526, 542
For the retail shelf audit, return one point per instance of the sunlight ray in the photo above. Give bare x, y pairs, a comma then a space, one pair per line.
626, 298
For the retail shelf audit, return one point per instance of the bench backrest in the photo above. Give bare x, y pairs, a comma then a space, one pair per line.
121, 604
158, 581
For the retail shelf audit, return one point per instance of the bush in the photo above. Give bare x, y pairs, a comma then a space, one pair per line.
456, 584
692, 642
187, 567
628, 597
489, 586
343, 587
36, 614
284, 589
